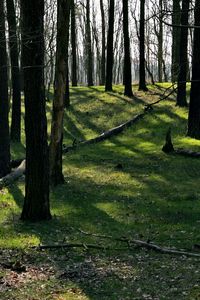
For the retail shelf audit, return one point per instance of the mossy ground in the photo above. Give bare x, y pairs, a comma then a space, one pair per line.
152, 196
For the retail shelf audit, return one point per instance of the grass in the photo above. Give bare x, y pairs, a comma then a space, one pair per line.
152, 197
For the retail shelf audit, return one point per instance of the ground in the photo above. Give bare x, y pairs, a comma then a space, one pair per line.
123, 187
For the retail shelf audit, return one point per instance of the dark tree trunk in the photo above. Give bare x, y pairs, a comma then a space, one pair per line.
67, 93
89, 47
73, 43
14, 56
142, 80
194, 108
127, 59
4, 123
36, 204
181, 92
103, 49
110, 54
160, 43
56, 175
175, 40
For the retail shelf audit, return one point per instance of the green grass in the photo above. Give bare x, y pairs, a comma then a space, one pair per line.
153, 197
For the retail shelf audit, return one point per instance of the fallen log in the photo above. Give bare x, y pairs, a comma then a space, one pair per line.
13, 176
105, 135
169, 148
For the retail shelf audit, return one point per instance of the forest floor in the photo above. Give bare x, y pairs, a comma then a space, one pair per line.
123, 187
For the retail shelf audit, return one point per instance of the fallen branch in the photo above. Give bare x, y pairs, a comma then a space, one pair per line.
130, 243
105, 135
169, 148
163, 97
143, 244
13, 176
74, 245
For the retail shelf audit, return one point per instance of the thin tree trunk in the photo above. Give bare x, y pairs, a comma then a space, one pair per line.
67, 93
36, 204
160, 43
15, 73
103, 49
194, 108
175, 40
73, 44
110, 54
181, 93
127, 59
4, 105
89, 47
55, 148
142, 80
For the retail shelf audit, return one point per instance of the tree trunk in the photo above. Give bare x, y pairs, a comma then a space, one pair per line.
67, 94
110, 54
103, 49
175, 40
127, 59
36, 204
4, 105
15, 73
194, 107
142, 80
56, 175
89, 47
160, 43
73, 44
181, 94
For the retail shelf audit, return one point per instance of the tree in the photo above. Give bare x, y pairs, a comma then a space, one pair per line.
89, 46
4, 107
142, 81
175, 40
15, 73
194, 107
127, 59
73, 43
109, 63
55, 149
183, 61
36, 204
103, 49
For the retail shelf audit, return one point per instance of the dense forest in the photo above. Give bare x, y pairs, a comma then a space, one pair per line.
99, 149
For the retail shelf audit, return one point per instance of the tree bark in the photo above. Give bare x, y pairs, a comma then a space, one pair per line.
110, 54
36, 204
15, 73
183, 60
56, 175
4, 105
194, 107
127, 59
142, 80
